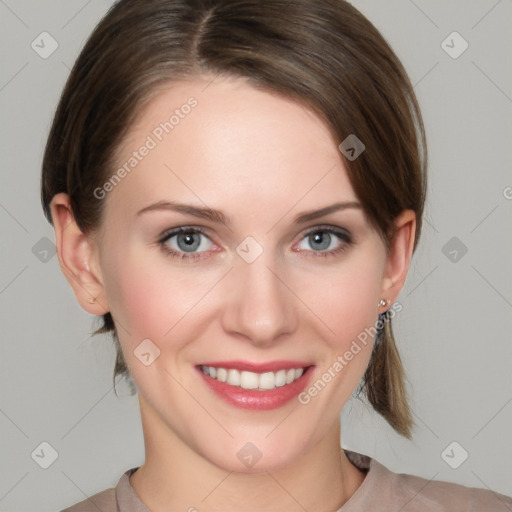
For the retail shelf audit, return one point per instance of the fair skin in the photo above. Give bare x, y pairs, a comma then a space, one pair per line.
262, 160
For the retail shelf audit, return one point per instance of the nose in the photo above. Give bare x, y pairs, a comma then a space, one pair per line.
260, 307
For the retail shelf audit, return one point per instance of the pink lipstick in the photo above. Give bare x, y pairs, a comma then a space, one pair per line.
256, 386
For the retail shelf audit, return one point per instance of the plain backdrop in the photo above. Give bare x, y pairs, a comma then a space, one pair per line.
453, 332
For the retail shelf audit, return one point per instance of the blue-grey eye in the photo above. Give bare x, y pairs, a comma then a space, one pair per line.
188, 241
322, 240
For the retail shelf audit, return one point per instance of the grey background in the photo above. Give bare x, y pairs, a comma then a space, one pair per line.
454, 330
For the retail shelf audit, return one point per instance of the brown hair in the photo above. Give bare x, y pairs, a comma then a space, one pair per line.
322, 53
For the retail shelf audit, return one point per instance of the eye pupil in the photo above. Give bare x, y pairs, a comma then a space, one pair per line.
321, 238
187, 243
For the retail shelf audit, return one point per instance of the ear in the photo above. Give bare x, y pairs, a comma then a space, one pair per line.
399, 256
78, 257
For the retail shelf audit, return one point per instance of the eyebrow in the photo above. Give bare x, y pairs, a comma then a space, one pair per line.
219, 217
315, 214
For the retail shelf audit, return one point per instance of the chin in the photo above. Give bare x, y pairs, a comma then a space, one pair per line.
258, 453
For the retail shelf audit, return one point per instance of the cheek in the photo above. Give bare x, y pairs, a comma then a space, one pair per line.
360, 293
147, 302
146, 299
134, 297
348, 307
345, 299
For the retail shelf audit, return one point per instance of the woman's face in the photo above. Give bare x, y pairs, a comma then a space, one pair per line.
257, 285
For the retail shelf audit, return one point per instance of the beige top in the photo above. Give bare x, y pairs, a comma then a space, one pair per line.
381, 491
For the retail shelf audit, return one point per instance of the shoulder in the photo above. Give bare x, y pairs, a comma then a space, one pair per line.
411, 493
122, 498
419, 494
104, 501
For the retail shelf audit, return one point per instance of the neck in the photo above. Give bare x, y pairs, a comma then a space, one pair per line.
175, 477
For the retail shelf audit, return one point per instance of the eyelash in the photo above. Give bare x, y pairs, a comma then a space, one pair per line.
344, 236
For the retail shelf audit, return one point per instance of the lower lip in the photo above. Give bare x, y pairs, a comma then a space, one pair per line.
257, 400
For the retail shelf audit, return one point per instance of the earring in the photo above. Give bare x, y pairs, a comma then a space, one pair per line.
91, 300
383, 302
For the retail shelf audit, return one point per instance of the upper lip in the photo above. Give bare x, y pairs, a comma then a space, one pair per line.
269, 366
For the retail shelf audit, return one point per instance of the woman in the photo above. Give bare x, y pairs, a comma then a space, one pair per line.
237, 188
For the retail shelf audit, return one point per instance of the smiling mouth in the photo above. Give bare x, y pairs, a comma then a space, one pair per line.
265, 381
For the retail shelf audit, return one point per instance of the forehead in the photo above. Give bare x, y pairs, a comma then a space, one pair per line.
212, 141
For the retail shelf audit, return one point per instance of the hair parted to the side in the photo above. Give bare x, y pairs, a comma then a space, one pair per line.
322, 53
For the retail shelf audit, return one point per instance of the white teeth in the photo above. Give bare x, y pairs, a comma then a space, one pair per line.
267, 380
280, 378
252, 380
248, 380
233, 377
